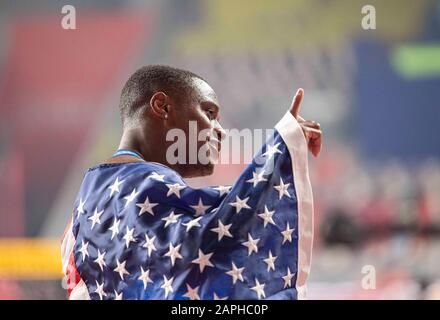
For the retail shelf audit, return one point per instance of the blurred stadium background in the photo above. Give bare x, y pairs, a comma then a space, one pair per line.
375, 93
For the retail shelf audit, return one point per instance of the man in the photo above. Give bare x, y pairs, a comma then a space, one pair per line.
139, 231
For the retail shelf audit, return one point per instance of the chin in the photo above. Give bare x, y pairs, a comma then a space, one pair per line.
207, 170
201, 170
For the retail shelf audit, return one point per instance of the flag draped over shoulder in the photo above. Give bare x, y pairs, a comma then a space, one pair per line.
139, 231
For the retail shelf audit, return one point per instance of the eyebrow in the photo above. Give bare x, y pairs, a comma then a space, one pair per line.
212, 104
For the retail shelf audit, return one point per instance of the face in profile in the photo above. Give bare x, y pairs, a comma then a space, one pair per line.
200, 122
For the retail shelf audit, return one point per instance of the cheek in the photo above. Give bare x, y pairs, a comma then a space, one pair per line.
203, 123
206, 130
178, 122
200, 123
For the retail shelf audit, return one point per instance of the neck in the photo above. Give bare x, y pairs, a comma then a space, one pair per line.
139, 140
134, 139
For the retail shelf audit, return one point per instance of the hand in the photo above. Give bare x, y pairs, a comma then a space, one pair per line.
312, 130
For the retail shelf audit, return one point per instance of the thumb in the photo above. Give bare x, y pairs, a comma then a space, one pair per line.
296, 102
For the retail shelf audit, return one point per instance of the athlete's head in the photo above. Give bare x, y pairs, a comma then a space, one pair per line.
157, 99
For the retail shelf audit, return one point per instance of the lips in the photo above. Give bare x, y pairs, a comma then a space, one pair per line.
214, 143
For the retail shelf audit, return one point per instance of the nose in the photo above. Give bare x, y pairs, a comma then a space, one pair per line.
221, 133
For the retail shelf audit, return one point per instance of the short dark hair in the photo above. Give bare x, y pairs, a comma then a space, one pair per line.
147, 80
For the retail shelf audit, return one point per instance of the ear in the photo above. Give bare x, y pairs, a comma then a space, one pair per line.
159, 104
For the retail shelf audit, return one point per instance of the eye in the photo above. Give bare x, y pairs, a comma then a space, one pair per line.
211, 114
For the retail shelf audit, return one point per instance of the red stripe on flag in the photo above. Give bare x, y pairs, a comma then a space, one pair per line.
72, 274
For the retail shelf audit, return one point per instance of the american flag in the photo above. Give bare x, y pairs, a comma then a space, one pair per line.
138, 231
